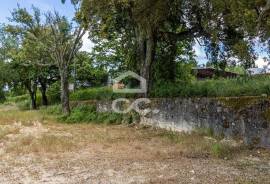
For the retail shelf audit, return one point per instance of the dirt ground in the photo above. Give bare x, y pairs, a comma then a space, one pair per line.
37, 149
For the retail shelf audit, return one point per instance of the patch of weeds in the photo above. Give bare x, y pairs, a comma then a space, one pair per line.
51, 110
205, 132
200, 144
102, 93
16, 99
239, 103
23, 105
89, 114
220, 150
172, 136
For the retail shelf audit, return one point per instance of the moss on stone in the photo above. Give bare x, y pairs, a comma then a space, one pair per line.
239, 103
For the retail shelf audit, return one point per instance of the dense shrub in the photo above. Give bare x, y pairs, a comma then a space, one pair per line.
220, 150
52, 110
54, 93
2, 96
243, 86
88, 114
92, 94
17, 99
24, 105
24, 102
103, 93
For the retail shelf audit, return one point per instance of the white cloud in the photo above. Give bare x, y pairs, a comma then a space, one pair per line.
260, 62
87, 44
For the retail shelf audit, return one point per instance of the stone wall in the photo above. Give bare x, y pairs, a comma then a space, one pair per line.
246, 118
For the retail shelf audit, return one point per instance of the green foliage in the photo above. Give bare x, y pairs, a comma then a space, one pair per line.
205, 132
174, 24
103, 93
30, 60
92, 94
88, 72
54, 110
54, 93
17, 99
184, 72
23, 102
173, 136
243, 86
2, 96
115, 54
236, 69
24, 105
88, 114
220, 150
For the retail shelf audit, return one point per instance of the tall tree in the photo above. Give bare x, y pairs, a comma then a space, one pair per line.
226, 24
65, 43
31, 58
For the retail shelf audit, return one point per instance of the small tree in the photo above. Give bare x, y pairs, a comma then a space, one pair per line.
31, 58
65, 42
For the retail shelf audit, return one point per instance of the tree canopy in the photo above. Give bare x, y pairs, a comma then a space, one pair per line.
154, 38
226, 29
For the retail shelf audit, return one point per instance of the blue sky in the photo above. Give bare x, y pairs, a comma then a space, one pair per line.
68, 10
7, 6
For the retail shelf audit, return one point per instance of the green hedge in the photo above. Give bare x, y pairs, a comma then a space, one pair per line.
243, 86
103, 93
88, 114
54, 93
16, 99
23, 102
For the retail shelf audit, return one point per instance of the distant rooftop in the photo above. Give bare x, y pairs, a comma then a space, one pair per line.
210, 72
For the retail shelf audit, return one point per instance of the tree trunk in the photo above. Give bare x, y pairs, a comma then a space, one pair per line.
146, 53
32, 89
43, 90
172, 67
65, 91
33, 100
44, 97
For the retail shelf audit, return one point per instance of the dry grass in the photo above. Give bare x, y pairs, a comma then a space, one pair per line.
25, 117
120, 154
8, 130
43, 145
68, 137
202, 144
